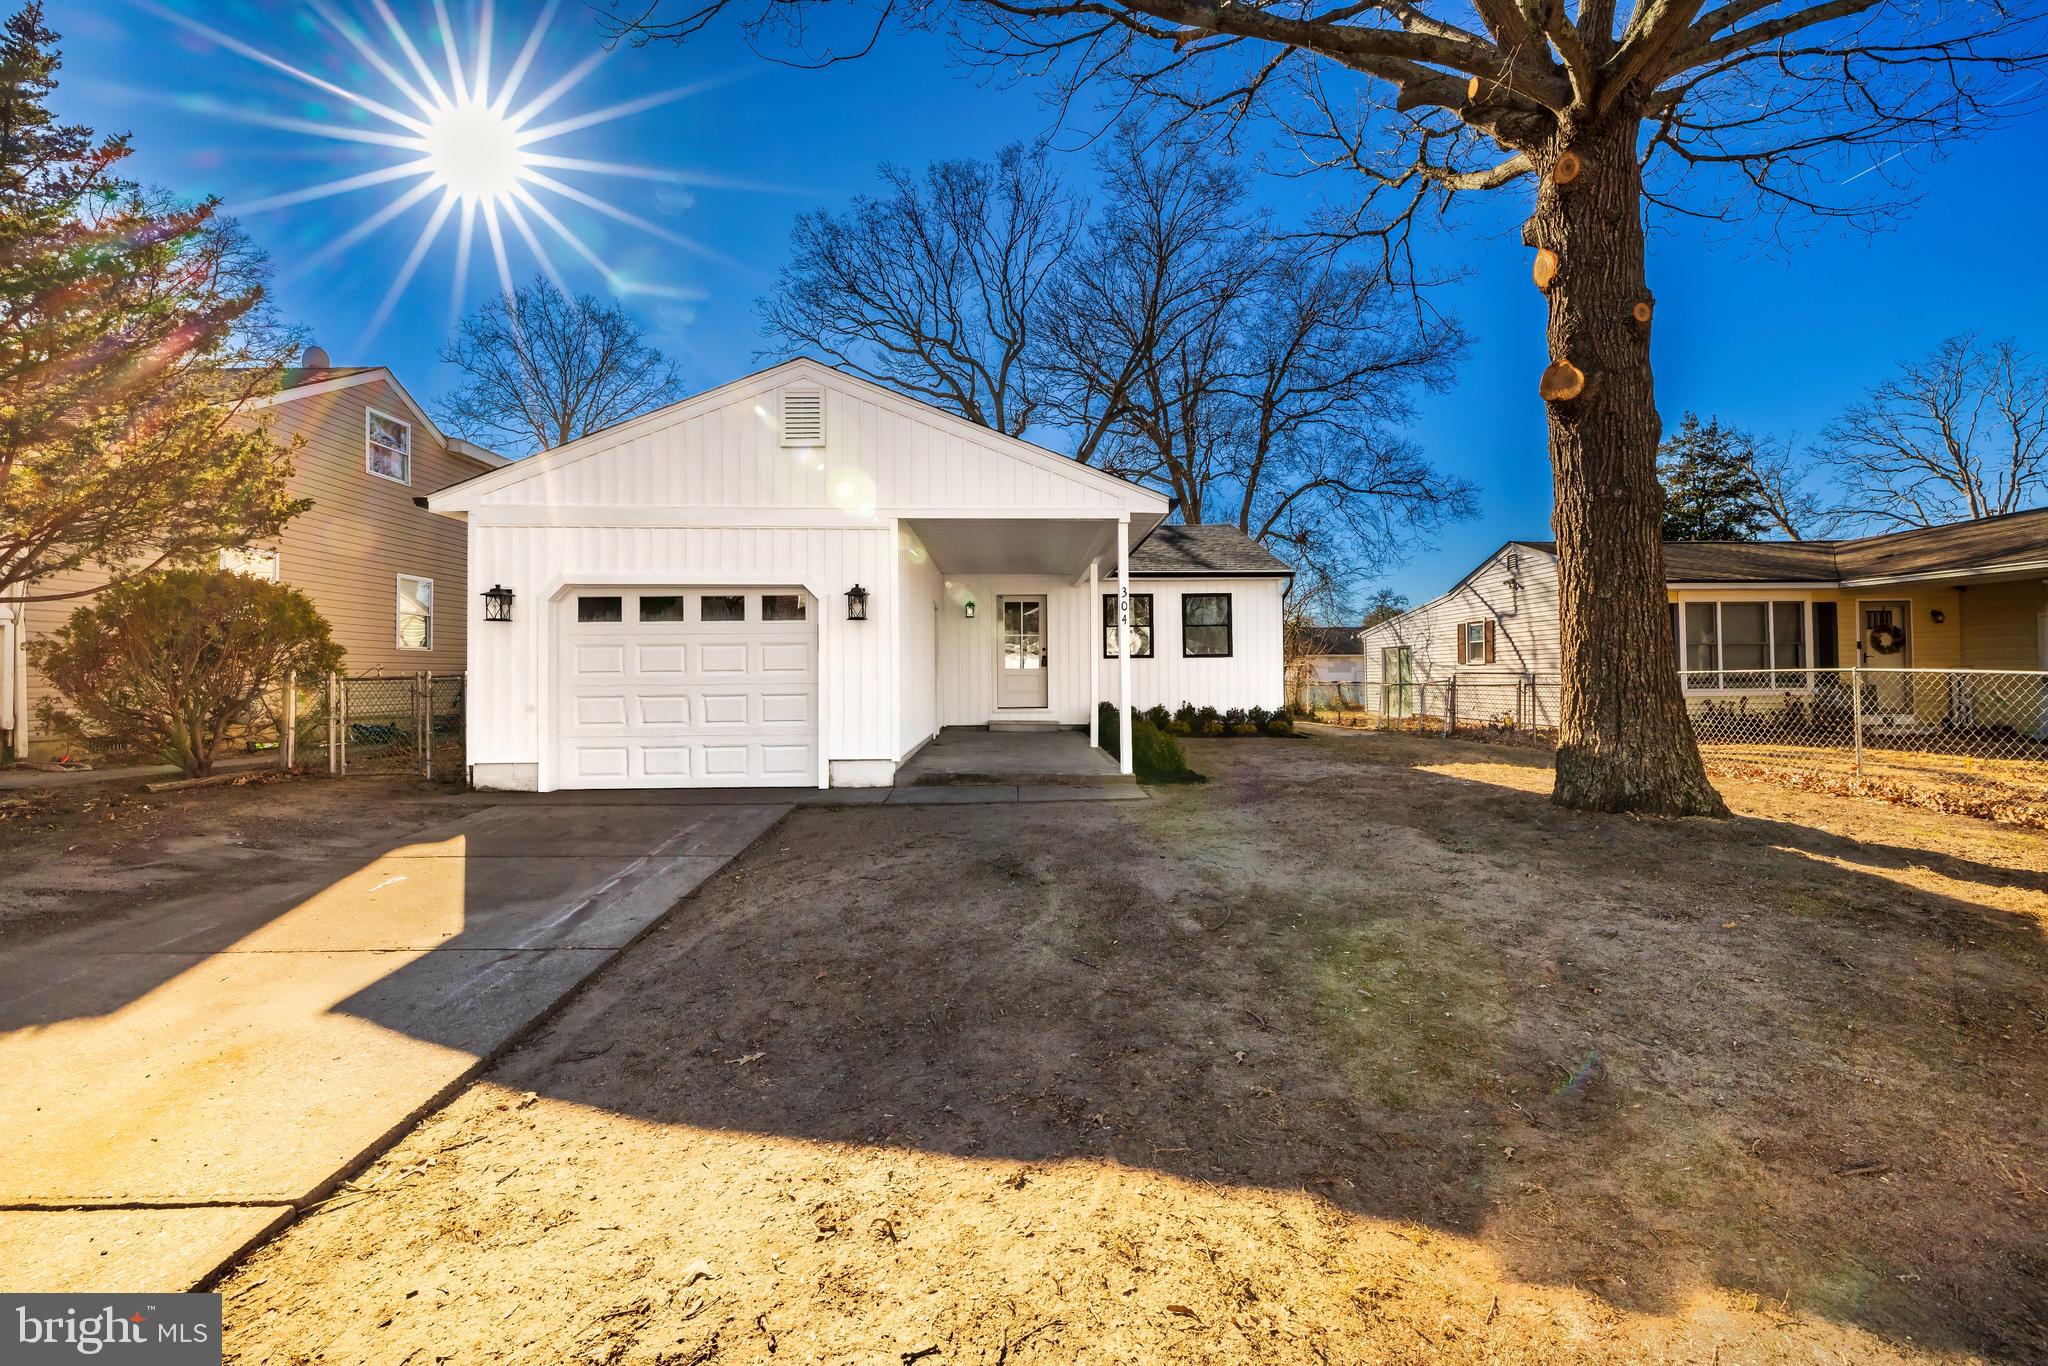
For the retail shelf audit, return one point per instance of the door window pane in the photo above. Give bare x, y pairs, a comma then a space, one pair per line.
722, 607
599, 609
663, 607
782, 607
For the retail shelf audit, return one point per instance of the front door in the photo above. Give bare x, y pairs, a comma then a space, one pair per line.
1884, 646
1022, 672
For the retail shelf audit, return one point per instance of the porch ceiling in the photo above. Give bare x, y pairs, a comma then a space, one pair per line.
1024, 545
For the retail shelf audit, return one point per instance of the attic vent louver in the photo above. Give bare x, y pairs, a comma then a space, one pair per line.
803, 417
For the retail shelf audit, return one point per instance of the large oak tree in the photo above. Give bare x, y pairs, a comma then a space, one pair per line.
1721, 109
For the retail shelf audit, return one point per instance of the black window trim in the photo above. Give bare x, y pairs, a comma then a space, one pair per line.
1151, 624
1229, 626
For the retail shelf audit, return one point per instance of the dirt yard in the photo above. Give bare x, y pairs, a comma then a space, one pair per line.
96, 847
1361, 1052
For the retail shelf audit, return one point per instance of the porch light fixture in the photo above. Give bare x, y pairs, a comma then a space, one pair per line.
856, 603
1937, 616
497, 603
970, 609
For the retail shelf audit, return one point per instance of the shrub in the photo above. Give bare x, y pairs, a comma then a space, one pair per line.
1158, 716
1106, 726
164, 666
1257, 716
1204, 717
1243, 728
1177, 727
1280, 723
1234, 718
1187, 716
1213, 728
1157, 757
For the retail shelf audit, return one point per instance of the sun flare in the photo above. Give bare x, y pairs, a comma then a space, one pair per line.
475, 153
467, 147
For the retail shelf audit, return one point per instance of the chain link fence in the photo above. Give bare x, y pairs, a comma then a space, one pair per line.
375, 723
1951, 735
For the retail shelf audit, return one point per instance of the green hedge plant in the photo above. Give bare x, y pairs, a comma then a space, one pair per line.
165, 666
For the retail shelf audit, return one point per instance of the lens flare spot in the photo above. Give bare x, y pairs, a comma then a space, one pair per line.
475, 153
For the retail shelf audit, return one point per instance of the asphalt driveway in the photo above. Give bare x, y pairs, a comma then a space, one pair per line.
185, 1072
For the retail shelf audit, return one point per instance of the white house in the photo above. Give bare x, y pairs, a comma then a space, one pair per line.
799, 578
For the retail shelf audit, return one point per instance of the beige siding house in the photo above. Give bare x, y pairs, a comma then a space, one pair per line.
390, 577
1756, 620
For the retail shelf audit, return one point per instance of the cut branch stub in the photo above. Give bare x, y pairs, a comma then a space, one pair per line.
1472, 91
1642, 311
1562, 381
1545, 269
1567, 168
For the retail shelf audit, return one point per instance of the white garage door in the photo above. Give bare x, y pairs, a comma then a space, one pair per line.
688, 687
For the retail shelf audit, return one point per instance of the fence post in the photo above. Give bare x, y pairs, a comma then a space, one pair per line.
1451, 706
333, 751
427, 715
342, 688
1856, 716
287, 743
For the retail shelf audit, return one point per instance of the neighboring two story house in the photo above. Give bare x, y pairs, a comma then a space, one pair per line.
390, 577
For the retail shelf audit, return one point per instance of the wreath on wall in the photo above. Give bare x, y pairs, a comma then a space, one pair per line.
1887, 640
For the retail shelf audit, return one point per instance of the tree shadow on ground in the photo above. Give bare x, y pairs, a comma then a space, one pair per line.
1640, 1058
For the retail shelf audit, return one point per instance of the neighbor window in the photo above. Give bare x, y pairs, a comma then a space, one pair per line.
387, 446
1205, 625
1743, 645
600, 609
415, 613
1141, 626
661, 607
257, 564
722, 607
782, 607
1475, 642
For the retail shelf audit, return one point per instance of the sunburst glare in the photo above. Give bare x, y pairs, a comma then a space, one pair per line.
456, 142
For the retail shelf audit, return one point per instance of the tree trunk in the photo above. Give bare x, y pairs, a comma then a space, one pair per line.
1624, 740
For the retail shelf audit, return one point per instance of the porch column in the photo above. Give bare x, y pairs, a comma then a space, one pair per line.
1123, 643
1094, 669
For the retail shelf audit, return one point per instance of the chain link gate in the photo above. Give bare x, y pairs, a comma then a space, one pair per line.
381, 723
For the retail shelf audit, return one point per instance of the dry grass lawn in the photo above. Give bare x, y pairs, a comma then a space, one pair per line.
1361, 1052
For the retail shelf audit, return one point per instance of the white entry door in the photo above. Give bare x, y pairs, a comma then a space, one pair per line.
1886, 645
1022, 674
687, 687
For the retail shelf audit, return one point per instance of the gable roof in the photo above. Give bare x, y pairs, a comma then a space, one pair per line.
1210, 548
458, 498
301, 382
1331, 640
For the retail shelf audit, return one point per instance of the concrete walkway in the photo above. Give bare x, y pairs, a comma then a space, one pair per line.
973, 754
183, 1077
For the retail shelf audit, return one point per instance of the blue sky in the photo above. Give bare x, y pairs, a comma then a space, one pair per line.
1769, 339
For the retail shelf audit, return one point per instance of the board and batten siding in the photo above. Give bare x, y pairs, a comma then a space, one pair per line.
1522, 605
347, 550
510, 726
722, 451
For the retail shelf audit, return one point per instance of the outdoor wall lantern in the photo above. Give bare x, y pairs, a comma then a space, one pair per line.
970, 609
1938, 616
497, 603
856, 603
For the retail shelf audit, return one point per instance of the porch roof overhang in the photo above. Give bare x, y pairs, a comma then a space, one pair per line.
1058, 543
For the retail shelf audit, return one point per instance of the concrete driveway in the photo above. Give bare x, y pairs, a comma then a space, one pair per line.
182, 1076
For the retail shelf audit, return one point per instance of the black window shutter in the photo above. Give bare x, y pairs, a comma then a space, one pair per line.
1826, 643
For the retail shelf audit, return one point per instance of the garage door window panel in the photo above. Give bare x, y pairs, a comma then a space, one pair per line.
600, 609
782, 607
722, 607
662, 607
